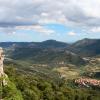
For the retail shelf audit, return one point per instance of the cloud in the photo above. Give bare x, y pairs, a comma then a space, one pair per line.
73, 13
71, 33
95, 30
36, 28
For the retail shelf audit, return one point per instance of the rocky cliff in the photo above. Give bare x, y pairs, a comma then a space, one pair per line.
3, 76
1, 62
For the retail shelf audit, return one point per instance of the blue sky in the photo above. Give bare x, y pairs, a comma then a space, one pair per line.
40, 20
61, 33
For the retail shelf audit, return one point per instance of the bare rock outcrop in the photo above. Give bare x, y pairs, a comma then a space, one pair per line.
3, 76
1, 62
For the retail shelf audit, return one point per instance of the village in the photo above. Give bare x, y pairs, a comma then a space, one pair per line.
87, 82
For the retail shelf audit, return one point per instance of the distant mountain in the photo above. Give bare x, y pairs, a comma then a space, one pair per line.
44, 44
53, 44
52, 51
46, 56
14, 44
86, 47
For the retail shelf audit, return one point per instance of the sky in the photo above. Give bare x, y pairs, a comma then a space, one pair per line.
39, 20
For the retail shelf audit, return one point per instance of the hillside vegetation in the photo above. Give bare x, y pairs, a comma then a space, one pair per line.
30, 87
52, 70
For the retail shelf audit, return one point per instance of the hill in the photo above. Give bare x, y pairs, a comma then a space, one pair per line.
86, 47
46, 56
47, 71
44, 44
46, 52
53, 44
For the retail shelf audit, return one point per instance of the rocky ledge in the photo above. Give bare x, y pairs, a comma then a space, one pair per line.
3, 76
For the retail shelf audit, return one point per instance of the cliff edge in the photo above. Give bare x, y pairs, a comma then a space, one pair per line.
1, 62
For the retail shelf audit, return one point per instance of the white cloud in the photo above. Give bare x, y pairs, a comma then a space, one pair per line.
43, 30
37, 28
95, 30
71, 33
74, 13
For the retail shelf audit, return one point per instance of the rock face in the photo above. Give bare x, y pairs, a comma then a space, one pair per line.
1, 62
2, 74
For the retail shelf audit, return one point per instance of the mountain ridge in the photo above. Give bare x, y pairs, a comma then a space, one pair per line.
86, 47
47, 43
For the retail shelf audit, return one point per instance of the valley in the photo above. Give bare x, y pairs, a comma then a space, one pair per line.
52, 67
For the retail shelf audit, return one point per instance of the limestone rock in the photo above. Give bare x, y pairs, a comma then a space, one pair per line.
1, 62
3, 76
